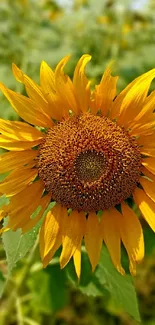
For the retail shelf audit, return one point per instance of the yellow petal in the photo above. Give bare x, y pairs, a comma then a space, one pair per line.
147, 141
21, 199
147, 110
133, 98
4, 229
132, 236
47, 80
116, 107
56, 237
146, 206
74, 230
77, 261
28, 223
9, 144
1, 215
144, 129
51, 230
17, 220
111, 235
16, 130
10, 160
48, 87
148, 151
23, 204
81, 83
17, 181
148, 174
22, 218
149, 163
53, 250
19, 75
33, 90
105, 92
93, 239
26, 108
35, 93
65, 88
149, 187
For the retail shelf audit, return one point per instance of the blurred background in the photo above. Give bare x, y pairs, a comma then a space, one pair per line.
32, 31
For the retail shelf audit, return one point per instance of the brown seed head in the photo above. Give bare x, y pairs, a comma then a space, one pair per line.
89, 163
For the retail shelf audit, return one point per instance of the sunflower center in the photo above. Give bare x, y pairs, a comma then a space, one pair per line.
89, 163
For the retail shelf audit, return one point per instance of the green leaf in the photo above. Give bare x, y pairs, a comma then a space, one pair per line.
2, 283
17, 245
93, 288
49, 289
3, 199
86, 278
104, 281
57, 285
149, 239
120, 287
89, 284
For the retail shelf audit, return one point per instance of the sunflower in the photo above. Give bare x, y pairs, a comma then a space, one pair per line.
86, 151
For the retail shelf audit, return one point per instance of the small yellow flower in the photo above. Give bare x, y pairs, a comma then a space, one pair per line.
96, 150
103, 19
126, 28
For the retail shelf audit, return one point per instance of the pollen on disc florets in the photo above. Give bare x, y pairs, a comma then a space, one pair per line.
89, 163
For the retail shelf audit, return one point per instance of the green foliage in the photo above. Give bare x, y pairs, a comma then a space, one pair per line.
120, 287
149, 240
106, 278
16, 245
49, 289
2, 283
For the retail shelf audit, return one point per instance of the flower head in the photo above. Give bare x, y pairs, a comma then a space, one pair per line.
87, 151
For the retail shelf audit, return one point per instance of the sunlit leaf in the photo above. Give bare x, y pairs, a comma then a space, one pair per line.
120, 287
17, 245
